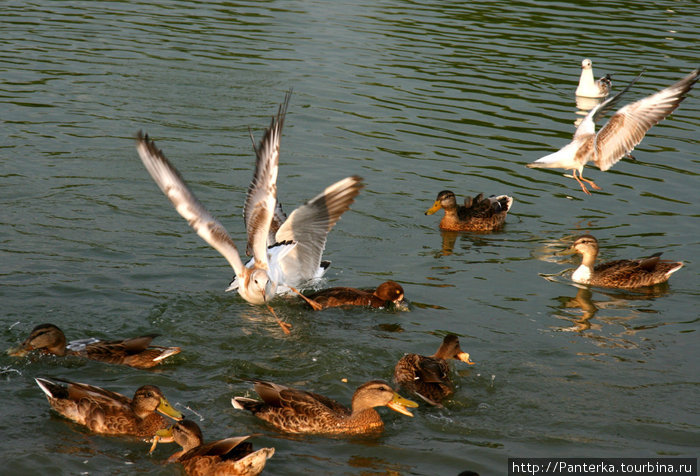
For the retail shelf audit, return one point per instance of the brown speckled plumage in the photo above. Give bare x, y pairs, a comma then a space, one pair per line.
620, 273
298, 411
387, 294
227, 457
477, 213
429, 376
103, 411
136, 352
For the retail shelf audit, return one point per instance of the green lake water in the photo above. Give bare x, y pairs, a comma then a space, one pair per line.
415, 97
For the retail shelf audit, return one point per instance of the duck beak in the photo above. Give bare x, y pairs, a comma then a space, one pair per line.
166, 409
399, 404
402, 305
164, 436
464, 357
569, 251
436, 206
19, 351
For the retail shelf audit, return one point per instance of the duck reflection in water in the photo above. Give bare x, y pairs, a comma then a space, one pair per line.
618, 300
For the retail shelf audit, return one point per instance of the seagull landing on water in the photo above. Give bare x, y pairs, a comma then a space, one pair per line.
589, 87
625, 129
295, 254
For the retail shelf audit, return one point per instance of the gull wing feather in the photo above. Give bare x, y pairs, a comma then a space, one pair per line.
587, 126
174, 187
261, 201
309, 226
628, 126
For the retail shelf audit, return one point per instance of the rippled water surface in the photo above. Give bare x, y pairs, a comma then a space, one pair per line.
416, 97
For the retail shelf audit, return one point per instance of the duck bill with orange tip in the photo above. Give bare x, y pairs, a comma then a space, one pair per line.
166, 409
399, 404
436, 206
464, 357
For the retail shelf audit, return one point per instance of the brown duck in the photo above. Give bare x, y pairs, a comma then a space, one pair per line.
622, 273
388, 294
111, 413
477, 213
429, 376
137, 352
231, 456
298, 411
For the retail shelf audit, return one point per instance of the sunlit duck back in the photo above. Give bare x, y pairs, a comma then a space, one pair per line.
231, 456
620, 273
136, 352
429, 376
477, 213
387, 294
107, 412
298, 411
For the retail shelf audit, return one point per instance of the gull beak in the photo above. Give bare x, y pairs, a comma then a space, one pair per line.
436, 206
399, 404
166, 409
464, 357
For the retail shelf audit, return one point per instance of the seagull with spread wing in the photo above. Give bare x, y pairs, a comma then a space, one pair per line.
286, 252
625, 129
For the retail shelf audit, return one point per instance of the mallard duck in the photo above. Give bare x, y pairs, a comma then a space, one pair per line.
231, 456
298, 411
429, 376
625, 129
387, 294
282, 260
477, 213
621, 273
589, 87
103, 411
137, 352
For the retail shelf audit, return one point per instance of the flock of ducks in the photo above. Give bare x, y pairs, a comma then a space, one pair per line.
287, 254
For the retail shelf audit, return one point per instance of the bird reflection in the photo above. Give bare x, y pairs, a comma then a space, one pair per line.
449, 239
617, 300
584, 105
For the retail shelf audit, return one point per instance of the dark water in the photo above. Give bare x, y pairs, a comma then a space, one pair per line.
414, 96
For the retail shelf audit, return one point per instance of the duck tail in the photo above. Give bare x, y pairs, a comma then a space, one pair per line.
51, 389
244, 403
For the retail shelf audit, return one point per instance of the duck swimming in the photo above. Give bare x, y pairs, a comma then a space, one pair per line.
107, 412
298, 411
429, 376
622, 133
136, 352
621, 273
477, 213
589, 87
387, 294
230, 456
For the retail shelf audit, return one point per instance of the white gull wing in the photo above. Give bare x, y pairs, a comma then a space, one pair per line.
308, 226
173, 186
261, 201
628, 126
576, 153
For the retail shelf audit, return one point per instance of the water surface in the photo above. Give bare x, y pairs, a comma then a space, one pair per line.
416, 98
